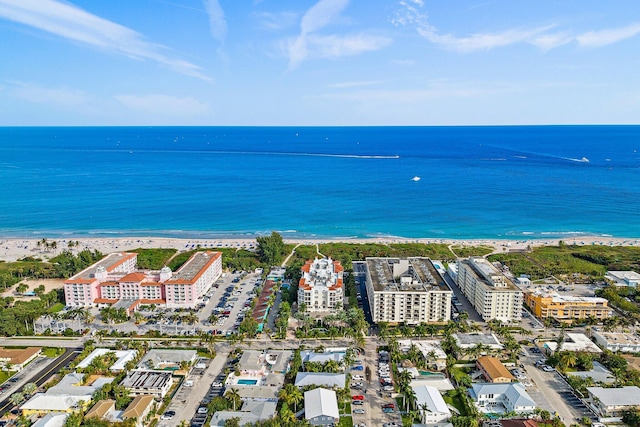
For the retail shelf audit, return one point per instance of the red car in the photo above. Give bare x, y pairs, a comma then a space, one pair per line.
389, 405
358, 397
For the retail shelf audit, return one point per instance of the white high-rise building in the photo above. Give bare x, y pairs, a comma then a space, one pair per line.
408, 291
490, 292
321, 286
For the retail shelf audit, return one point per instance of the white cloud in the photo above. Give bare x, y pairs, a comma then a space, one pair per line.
334, 46
54, 97
276, 21
609, 36
550, 41
217, 21
75, 24
481, 41
163, 104
321, 14
309, 44
410, 13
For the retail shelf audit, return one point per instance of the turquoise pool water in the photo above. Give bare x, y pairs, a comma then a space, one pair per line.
247, 382
430, 374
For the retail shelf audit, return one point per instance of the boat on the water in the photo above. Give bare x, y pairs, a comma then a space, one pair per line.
415, 178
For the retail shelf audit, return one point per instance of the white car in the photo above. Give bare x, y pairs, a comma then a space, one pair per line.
358, 411
547, 368
357, 377
527, 384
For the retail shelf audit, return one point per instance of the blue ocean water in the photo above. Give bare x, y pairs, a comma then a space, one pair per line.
475, 182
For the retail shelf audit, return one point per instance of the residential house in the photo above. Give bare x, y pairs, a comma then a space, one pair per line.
321, 407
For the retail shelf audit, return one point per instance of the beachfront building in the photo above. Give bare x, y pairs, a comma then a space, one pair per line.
493, 370
155, 383
71, 394
15, 359
321, 407
433, 409
617, 341
321, 287
565, 308
471, 345
490, 292
627, 278
612, 403
431, 350
115, 280
122, 357
502, 398
572, 342
252, 411
408, 291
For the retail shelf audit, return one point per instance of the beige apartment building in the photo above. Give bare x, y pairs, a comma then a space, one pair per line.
408, 291
490, 292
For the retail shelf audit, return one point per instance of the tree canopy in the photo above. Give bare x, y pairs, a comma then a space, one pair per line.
271, 249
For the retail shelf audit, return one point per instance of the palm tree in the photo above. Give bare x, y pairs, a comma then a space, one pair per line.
233, 396
295, 396
16, 398
410, 394
29, 388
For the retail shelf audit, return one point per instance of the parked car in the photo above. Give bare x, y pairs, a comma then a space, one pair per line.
357, 402
387, 410
168, 415
357, 377
358, 411
357, 368
357, 397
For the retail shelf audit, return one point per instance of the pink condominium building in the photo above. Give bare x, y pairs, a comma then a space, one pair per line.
115, 278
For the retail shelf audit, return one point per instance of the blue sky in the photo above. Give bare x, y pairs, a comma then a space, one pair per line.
327, 62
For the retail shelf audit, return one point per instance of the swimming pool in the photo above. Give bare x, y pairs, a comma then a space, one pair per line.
431, 374
247, 382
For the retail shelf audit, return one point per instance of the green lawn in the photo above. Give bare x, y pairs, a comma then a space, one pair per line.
52, 351
457, 403
345, 408
3, 376
56, 307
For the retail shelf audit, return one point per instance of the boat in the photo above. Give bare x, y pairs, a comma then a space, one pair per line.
415, 178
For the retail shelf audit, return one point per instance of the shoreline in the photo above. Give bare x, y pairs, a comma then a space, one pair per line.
12, 249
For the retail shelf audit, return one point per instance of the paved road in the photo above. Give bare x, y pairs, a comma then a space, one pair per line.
549, 389
466, 304
187, 399
373, 402
41, 376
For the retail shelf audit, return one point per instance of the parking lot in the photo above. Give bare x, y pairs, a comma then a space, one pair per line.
228, 299
550, 391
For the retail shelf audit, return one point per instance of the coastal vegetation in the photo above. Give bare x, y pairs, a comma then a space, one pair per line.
153, 259
572, 263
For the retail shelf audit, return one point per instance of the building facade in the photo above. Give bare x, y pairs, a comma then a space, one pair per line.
408, 291
490, 292
321, 286
566, 309
502, 397
115, 278
617, 341
613, 402
493, 370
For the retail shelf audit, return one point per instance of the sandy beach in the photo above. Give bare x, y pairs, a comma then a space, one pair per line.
14, 249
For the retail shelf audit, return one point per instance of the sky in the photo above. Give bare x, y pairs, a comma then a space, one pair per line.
318, 63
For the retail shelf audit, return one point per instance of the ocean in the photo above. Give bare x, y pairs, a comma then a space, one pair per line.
504, 182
